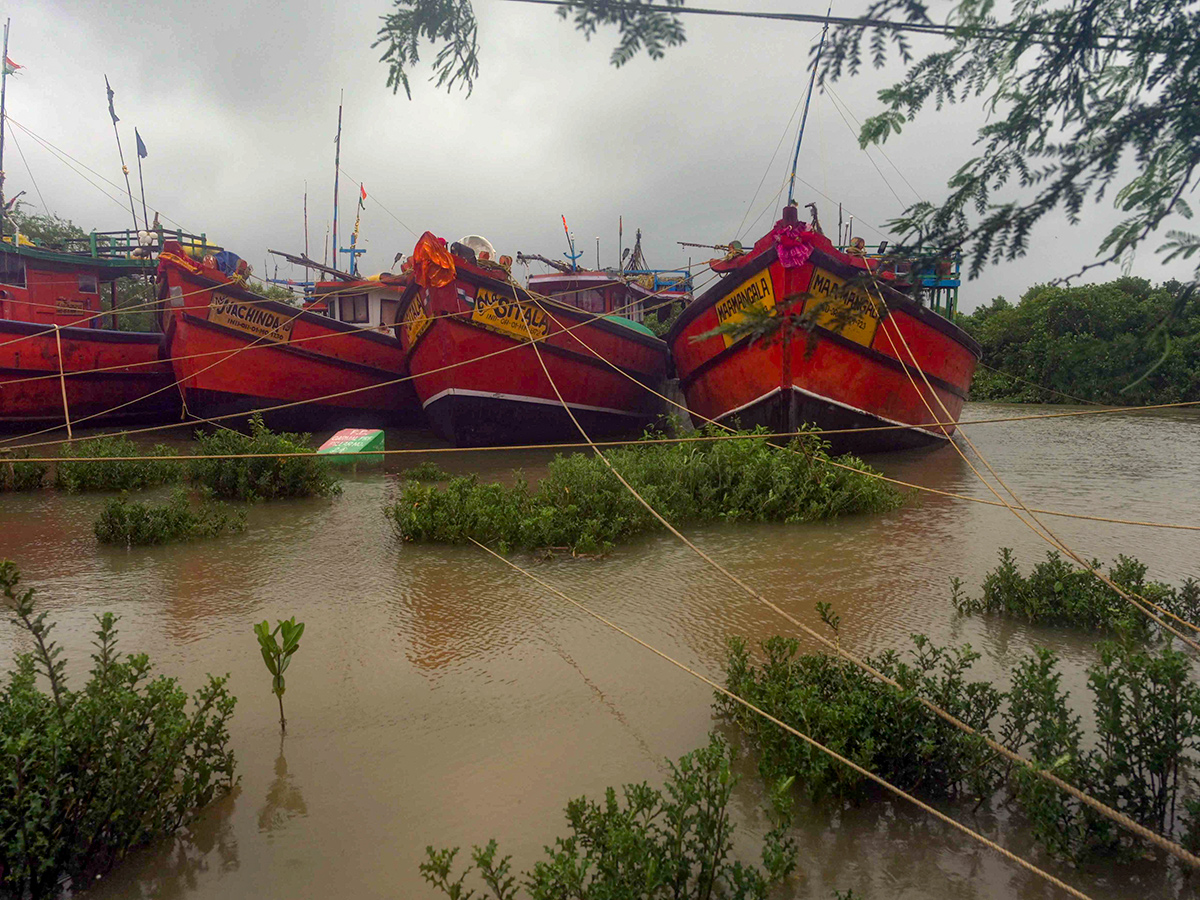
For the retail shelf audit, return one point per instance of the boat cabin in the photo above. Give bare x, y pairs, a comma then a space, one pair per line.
71, 283
593, 292
366, 303
57, 288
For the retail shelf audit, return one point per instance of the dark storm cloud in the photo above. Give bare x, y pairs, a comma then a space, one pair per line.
238, 106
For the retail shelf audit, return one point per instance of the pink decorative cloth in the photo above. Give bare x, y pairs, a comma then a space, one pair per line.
793, 243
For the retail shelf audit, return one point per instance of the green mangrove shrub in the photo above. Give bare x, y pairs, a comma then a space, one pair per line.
277, 648
89, 774
262, 477
1057, 593
582, 506
868, 722
1140, 760
669, 844
426, 471
81, 470
1146, 707
133, 523
16, 474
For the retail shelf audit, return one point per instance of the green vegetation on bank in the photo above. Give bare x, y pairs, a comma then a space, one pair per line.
582, 506
1122, 342
1058, 593
261, 478
426, 471
133, 523
1141, 760
668, 844
90, 774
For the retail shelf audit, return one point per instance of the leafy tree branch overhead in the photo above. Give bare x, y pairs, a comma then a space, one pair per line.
1078, 93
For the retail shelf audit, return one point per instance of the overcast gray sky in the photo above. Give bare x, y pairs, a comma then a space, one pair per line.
237, 104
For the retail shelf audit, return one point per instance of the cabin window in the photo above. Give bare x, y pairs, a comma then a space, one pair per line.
12, 270
89, 284
354, 309
590, 301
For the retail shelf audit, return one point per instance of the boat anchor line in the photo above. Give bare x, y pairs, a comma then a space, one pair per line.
521, 398
1099, 806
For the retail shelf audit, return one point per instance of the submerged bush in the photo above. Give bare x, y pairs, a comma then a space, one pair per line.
1140, 760
1057, 593
883, 730
84, 472
581, 505
262, 477
426, 471
132, 523
16, 475
655, 844
90, 774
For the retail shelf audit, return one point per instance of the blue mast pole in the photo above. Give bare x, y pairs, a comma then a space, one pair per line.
807, 100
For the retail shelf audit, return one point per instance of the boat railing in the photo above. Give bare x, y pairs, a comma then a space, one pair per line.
668, 280
123, 244
933, 278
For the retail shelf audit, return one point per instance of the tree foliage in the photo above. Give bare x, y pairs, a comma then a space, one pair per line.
1120, 342
1079, 93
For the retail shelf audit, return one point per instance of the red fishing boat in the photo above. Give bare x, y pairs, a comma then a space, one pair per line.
61, 357
467, 329
871, 353
233, 351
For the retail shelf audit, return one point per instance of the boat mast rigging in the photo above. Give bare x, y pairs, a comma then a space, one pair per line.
807, 100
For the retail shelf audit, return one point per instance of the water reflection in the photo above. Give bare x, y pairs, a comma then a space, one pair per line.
174, 868
284, 801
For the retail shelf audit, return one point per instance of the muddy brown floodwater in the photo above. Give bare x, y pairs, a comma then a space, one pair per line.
440, 698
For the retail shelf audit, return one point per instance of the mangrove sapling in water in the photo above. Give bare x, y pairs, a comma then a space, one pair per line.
580, 504
1057, 593
90, 774
647, 843
16, 475
84, 472
277, 648
132, 523
264, 477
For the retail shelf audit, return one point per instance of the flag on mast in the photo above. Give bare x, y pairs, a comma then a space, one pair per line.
141, 145
112, 112
362, 198
10, 67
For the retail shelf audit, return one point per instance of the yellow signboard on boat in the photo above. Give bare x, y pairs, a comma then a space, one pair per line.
516, 318
250, 318
414, 321
845, 309
755, 292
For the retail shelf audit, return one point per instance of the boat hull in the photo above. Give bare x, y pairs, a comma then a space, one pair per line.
480, 380
880, 378
235, 353
108, 376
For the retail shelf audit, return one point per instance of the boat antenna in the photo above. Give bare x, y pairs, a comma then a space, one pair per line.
120, 153
807, 100
621, 244
597, 253
306, 273
337, 164
3, 87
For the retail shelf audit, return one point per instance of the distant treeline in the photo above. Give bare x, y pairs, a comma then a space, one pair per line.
1123, 342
